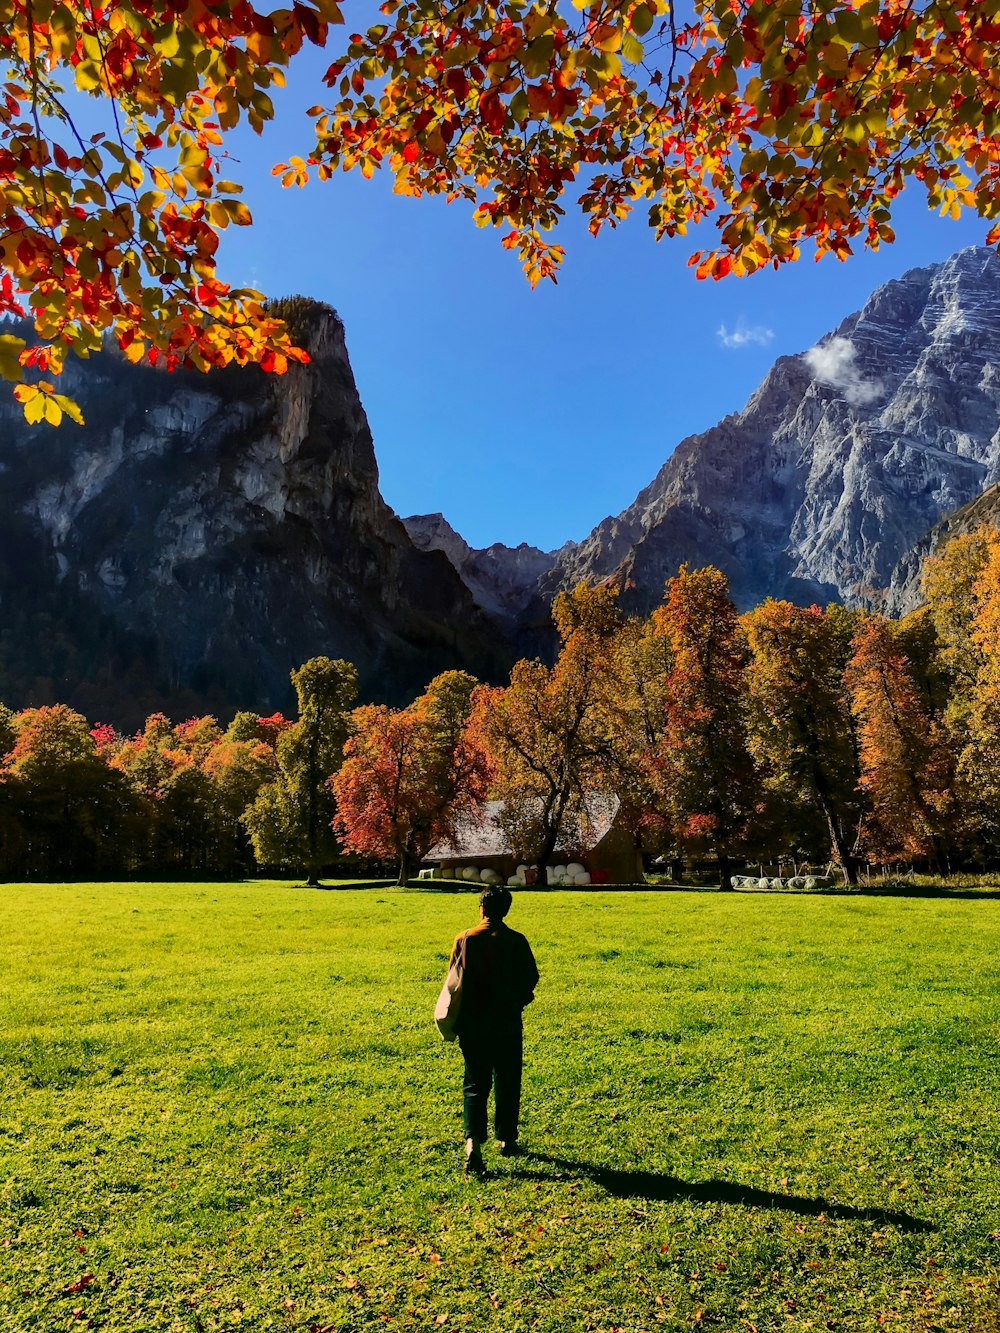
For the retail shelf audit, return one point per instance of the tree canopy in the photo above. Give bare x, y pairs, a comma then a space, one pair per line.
788, 733
783, 121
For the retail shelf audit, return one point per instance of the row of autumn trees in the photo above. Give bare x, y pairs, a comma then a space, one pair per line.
786, 732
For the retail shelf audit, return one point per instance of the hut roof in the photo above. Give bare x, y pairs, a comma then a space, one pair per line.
481, 834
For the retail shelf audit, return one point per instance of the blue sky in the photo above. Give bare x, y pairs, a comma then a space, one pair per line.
531, 415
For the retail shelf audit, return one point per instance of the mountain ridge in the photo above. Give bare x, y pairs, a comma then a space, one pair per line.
224, 529
843, 458
201, 536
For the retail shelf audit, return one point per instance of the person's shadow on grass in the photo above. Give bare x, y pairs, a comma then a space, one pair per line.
656, 1186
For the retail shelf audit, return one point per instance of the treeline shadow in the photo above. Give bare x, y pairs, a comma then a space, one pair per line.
349, 884
658, 1187
918, 891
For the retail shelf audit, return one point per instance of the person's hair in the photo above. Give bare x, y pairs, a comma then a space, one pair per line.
495, 901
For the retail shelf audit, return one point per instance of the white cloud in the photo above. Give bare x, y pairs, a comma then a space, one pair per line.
742, 336
834, 363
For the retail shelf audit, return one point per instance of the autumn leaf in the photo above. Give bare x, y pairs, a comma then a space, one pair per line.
10, 352
777, 132
78, 1285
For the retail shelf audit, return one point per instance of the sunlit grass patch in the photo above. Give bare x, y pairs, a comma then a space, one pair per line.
225, 1106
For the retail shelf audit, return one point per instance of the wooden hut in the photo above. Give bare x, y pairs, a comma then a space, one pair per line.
599, 843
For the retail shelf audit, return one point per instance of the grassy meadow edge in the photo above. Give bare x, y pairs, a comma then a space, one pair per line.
225, 1106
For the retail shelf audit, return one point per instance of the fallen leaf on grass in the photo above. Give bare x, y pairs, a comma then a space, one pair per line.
78, 1285
441, 1319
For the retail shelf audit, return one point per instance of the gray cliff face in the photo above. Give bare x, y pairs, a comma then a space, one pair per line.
840, 462
232, 524
503, 580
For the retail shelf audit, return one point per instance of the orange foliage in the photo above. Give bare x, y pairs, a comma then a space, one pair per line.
409, 774
907, 767
784, 123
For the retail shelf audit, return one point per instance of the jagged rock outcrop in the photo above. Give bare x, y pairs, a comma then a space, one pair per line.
502, 579
505, 582
210, 533
840, 462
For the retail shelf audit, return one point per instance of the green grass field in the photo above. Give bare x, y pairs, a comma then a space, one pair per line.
226, 1107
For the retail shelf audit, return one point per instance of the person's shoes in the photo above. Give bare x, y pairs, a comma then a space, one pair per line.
474, 1164
510, 1148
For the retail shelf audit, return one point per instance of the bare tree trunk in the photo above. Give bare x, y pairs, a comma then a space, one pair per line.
848, 862
725, 874
405, 867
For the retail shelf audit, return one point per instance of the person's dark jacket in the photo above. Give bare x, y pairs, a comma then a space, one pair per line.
500, 975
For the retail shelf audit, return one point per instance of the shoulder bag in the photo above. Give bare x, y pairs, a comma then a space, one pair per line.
449, 1002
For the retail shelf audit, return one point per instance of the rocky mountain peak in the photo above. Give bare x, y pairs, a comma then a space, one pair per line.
503, 580
208, 533
842, 458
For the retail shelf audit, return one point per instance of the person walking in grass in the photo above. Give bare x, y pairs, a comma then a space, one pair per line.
500, 977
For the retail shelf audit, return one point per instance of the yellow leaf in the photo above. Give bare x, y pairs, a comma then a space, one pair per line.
10, 349
34, 409
609, 39
88, 76
71, 409
632, 49
167, 41
238, 212
834, 58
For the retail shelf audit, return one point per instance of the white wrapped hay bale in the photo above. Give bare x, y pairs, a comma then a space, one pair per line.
489, 876
447, 872
470, 872
513, 882
575, 868
582, 878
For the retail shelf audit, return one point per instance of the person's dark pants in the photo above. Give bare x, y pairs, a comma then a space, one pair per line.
493, 1055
